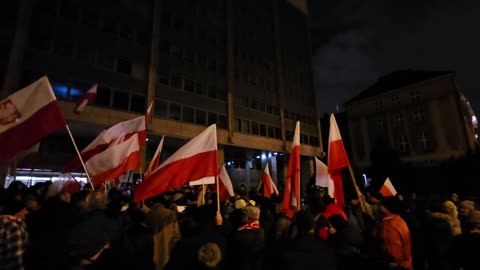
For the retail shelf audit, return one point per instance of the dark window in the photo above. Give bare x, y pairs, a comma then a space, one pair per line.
189, 86
278, 133
212, 91
103, 96
212, 118
124, 66
253, 104
126, 32
222, 94
90, 18
188, 114
176, 81
271, 132
237, 125
200, 89
212, 65
174, 111
164, 46
276, 110
263, 130
200, 117
222, 121
261, 106
120, 100
289, 135
269, 108
255, 129
163, 78
63, 45
137, 104
108, 25
41, 37
143, 38
105, 60
161, 108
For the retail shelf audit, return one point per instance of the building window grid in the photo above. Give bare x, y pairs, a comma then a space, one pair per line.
404, 145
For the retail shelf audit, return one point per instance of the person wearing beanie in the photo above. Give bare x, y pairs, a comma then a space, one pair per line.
393, 233
464, 209
13, 235
247, 242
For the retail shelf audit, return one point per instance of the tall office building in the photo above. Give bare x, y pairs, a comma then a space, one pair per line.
244, 65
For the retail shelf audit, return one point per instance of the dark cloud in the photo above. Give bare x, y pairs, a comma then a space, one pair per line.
358, 41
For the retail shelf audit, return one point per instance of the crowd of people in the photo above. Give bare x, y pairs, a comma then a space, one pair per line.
72, 227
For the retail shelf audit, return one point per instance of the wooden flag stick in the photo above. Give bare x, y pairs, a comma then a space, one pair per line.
359, 194
79, 156
218, 194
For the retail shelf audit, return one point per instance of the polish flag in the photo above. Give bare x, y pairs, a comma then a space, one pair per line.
388, 189
106, 137
88, 97
27, 116
156, 157
291, 195
322, 179
225, 185
197, 159
114, 161
269, 186
149, 111
337, 160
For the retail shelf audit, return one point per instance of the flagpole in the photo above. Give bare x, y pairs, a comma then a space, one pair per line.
356, 187
79, 156
299, 202
218, 194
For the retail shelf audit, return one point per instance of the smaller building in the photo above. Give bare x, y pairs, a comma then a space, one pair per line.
421, 115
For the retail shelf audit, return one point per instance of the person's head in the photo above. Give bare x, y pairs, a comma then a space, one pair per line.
451, 208
16, 208
473, 222
454, 198
252, 213
390, 205
465, 207
304, 221
97, 200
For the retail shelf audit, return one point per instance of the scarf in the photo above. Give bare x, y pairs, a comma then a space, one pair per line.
254, 225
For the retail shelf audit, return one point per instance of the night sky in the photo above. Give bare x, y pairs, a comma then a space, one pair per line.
355, 42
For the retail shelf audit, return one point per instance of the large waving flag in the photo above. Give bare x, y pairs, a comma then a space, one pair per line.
195, 160
88, 97
291, 195
120, 157
269, 186
337, 160
156, 158
322, 179
27, 116
225, 185
388, 189
106, 137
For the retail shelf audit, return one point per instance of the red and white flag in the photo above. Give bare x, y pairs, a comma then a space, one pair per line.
116, 160
195, 160
225, 185
337, 160
322, 179
88, 97
291, 195
156, 158
269, 186
388, 189
149, 111
27, 116
106, 137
